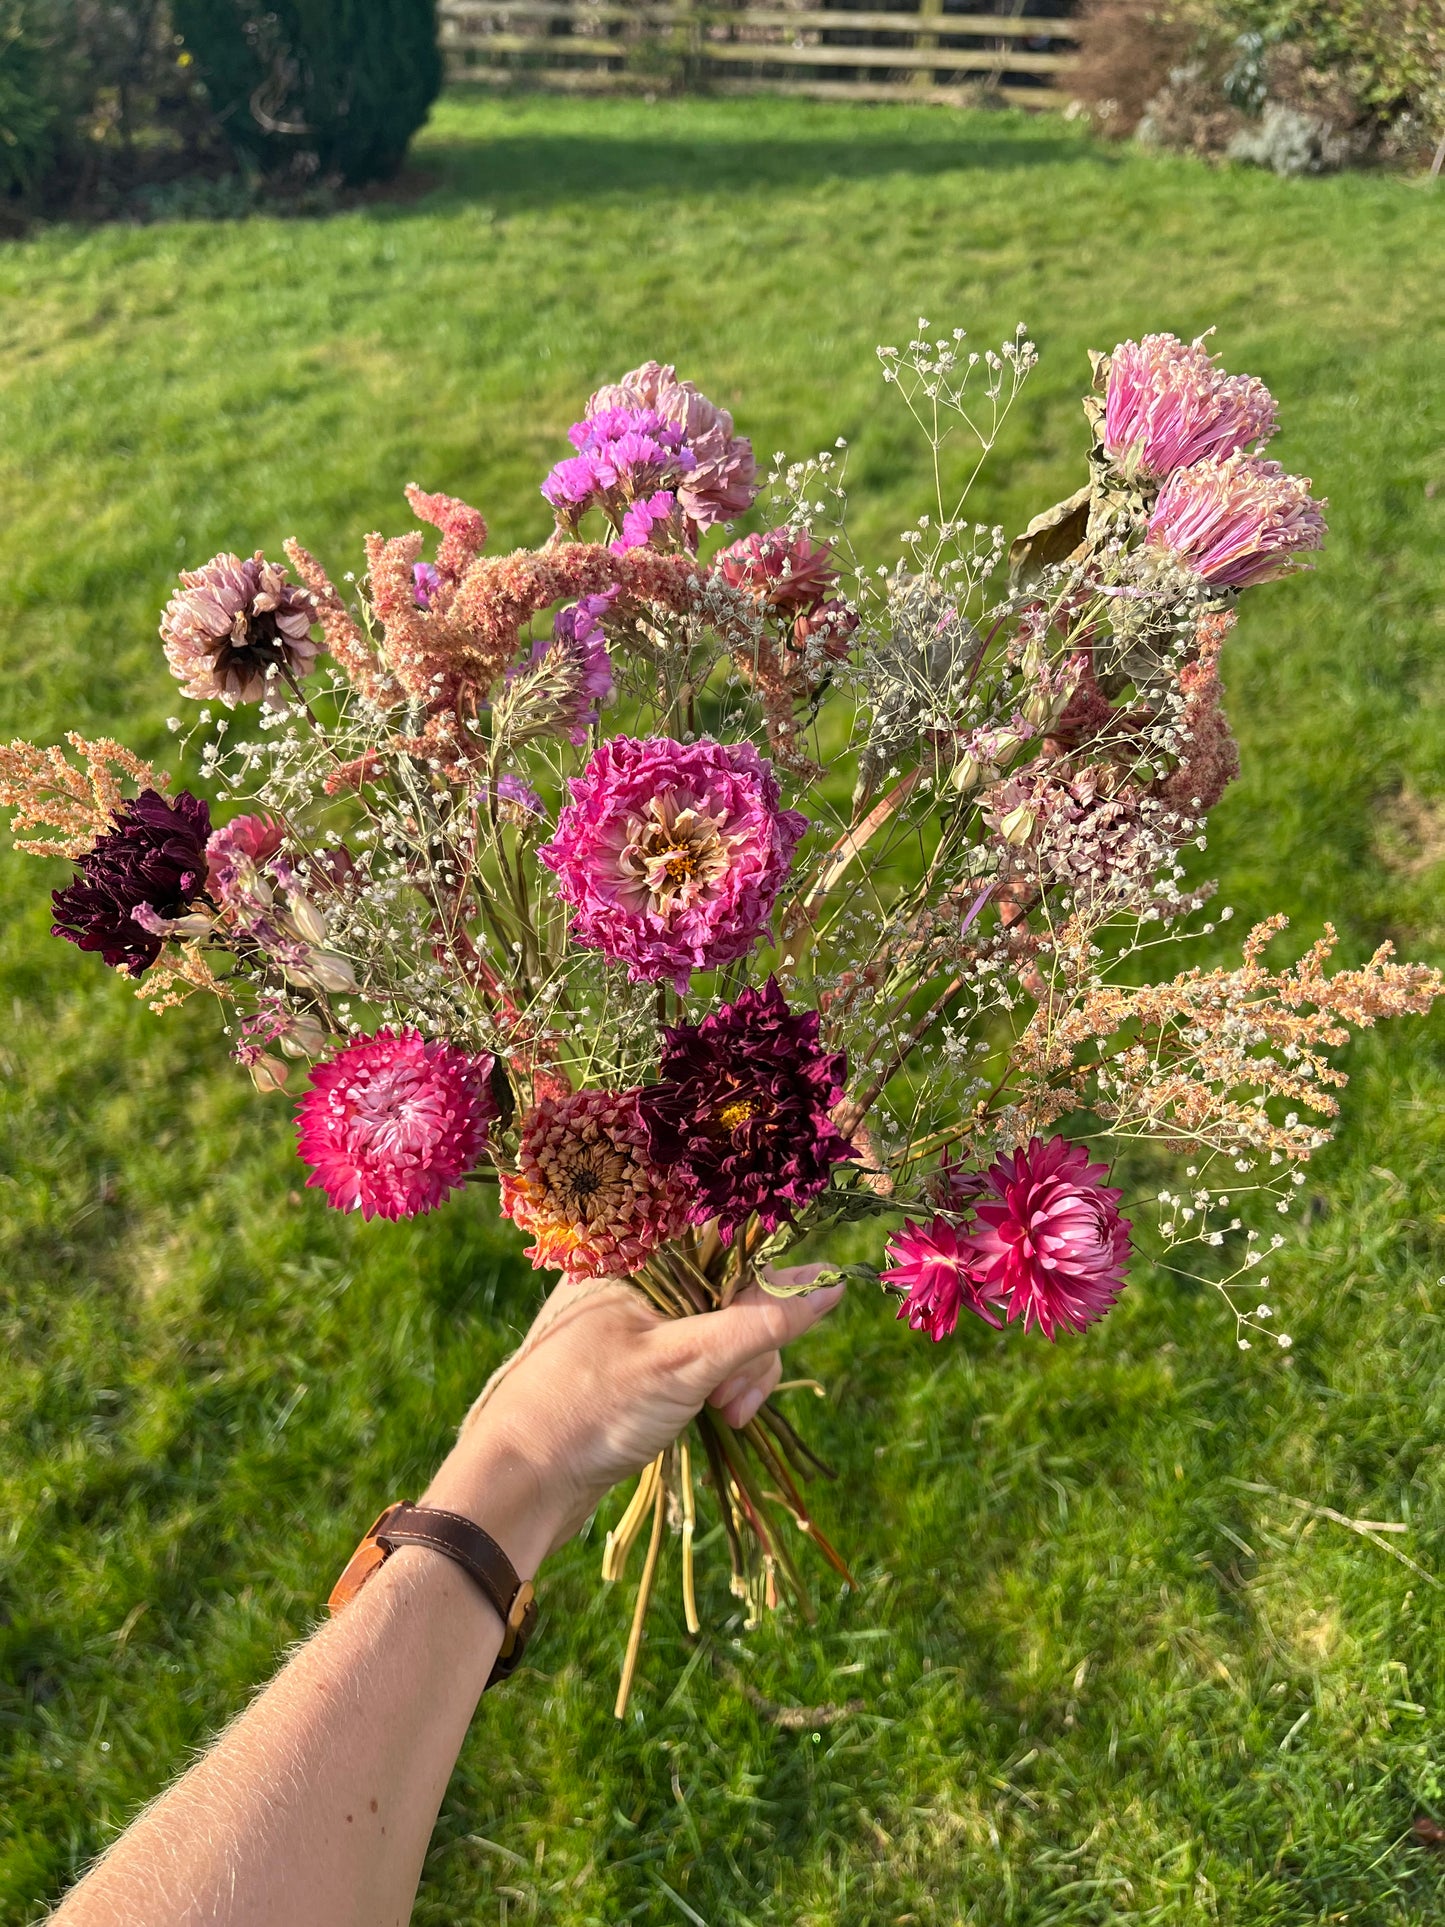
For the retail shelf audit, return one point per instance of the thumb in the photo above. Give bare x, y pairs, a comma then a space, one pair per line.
755, 1324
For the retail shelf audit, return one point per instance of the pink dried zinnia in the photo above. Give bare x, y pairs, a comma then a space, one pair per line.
931, 1268
1236, 522
1167, 405
392, 1124
671, 854
1048, 1244
233, 628
586, 1188
724, 480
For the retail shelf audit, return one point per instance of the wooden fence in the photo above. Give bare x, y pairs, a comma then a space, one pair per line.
926, 52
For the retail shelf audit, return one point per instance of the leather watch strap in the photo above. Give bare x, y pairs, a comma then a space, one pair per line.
463, 1541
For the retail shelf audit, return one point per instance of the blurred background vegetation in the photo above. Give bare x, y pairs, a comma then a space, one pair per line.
1124, 1651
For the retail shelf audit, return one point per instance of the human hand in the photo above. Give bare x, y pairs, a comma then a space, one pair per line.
600, 1385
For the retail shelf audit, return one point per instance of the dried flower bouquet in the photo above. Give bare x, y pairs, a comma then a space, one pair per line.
706, 902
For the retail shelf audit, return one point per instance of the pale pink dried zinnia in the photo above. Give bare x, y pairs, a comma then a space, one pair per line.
235, 630
586, 1188
1236, 522
393, 1123
1047, 1244
1168, 403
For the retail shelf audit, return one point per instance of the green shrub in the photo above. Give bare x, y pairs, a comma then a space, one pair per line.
335, 87
29, 108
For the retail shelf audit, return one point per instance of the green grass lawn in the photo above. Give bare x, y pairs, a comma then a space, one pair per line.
1115, 1658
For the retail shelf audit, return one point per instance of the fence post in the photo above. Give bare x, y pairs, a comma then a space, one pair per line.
927, 10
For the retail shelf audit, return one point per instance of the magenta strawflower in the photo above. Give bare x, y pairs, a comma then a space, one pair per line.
1236, 522
586, 1187
234, 630
1167, 405
930, 1266
723, 478
671, 854
1047, 1244
742, 1110
393, 1123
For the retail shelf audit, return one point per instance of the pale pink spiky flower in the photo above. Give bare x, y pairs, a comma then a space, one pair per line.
393, 1123
931, 1267
235, 630
586, 1188
1168, 403
1236, 522
1047, 1244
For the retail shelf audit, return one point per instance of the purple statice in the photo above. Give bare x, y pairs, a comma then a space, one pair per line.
152, 861
742, 1110
722, 481
562, 685
426, 579
518, 800
643, 517
625, 455
671, 855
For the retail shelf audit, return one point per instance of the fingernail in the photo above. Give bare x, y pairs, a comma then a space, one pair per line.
748, 1405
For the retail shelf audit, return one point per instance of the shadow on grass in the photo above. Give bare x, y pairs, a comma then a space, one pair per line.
538, 171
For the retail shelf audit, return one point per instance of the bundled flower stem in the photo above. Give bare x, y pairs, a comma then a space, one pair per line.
710, 891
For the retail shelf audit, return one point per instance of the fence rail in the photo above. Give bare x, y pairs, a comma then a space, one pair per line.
831, 53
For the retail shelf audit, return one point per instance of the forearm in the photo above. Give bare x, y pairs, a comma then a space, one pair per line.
316, 1805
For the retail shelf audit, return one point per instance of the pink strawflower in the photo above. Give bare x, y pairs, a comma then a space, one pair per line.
236, 852
586, 1188
723, 481
1167, 405
671, 854
1236, 522
1048, 1244
931, 1268
784, 567
392, 1124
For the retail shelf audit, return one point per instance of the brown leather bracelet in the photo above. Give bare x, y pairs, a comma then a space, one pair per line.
475, 1551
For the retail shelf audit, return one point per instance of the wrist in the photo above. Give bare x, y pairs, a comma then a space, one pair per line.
491, 1478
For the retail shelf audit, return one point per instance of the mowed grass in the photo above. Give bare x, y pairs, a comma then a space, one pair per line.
1117, 1656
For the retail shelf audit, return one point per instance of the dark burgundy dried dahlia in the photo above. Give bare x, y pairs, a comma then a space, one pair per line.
154, 855
742, 1110
233, 625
